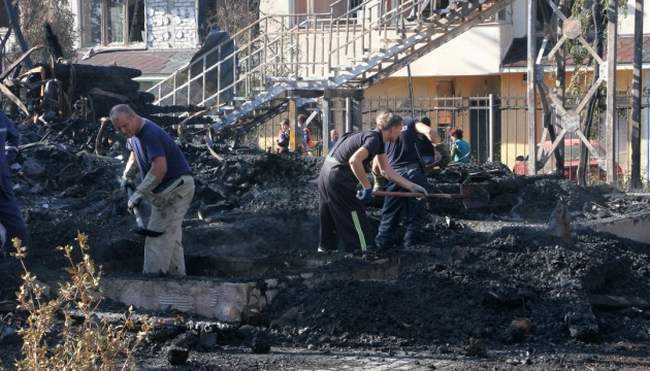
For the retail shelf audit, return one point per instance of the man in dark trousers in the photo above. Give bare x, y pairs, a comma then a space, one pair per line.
342, 210
12, 221
167, 184
404, 156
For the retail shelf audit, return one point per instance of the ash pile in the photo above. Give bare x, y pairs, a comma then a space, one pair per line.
255, 183
514, 286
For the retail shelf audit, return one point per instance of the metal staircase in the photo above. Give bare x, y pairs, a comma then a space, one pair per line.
349, 47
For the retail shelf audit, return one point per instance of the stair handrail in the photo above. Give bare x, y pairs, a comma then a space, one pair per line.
255, 52
263, 36
233, 38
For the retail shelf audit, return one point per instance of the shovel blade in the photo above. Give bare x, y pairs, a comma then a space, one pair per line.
474, 196
147, 232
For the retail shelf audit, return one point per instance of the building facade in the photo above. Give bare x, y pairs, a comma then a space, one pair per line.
155, 36
488, 60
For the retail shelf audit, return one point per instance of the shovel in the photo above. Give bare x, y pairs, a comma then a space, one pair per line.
473, 196
141, 229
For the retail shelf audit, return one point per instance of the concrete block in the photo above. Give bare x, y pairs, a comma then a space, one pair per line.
635, 226
224, 301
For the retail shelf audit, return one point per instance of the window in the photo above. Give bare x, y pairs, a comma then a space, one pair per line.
111, 22
352, 4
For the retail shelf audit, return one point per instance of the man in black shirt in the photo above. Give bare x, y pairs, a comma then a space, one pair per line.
404, 156
342, 215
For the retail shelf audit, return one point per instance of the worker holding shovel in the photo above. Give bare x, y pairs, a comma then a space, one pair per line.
167, 184
342, 215
403, 156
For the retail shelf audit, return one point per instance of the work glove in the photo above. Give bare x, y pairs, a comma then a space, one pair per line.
134, 200
419, 189
364, 195
124, 183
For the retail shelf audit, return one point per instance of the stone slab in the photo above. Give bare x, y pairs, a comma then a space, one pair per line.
224, 301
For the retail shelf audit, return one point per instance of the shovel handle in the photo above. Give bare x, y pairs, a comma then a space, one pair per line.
417, 195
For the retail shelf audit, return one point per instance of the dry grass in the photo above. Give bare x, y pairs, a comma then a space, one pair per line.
54, 339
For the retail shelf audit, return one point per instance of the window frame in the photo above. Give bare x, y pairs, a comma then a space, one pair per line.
104, 41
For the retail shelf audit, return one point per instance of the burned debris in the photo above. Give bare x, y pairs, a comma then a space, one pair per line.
505, 268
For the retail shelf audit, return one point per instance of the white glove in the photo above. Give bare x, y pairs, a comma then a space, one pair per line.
124, 182
135, 200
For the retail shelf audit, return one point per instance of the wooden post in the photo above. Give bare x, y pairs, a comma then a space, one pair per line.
636, 95
610, 116
530, 91
325, 111
293, 124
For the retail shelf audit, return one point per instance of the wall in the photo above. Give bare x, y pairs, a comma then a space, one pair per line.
171, 24
519, 18
461, 57
275, 7
441, 86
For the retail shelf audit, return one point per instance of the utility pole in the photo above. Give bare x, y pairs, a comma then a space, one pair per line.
530, 91
636, 95
610, 116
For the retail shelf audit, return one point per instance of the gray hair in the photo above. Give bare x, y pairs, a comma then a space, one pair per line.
121, 109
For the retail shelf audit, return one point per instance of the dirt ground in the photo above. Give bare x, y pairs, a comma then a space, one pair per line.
460, 300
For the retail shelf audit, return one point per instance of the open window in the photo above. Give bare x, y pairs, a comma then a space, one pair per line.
111, 22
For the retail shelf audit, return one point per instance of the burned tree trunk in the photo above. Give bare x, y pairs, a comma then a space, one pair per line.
15, 25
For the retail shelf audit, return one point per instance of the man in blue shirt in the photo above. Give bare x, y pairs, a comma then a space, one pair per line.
13, 225
404, 156
167, 184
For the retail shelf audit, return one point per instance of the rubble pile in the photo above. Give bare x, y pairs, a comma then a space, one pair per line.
467, 285
257, 183
458, 292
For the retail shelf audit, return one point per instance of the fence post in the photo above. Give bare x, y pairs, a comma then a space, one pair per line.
348, 114
530, 96
325, 111
611, 114
491, 128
